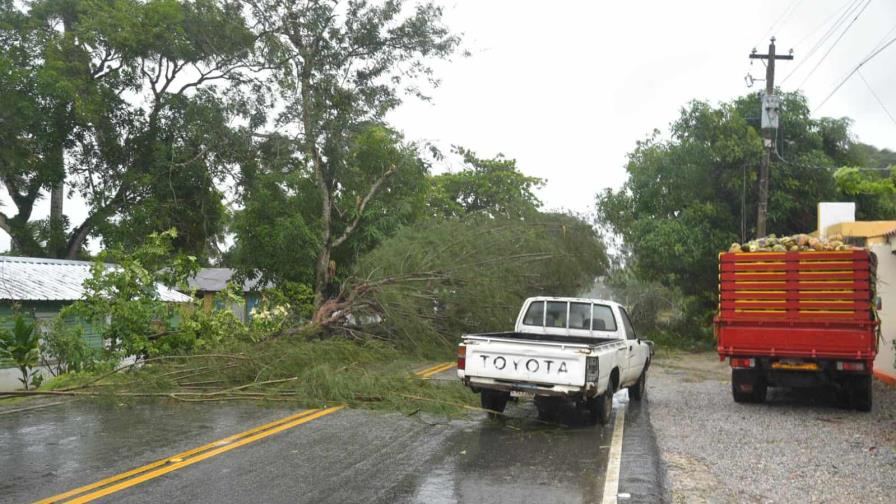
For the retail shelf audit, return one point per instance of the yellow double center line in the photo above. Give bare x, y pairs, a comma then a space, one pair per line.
438, 368
166, 465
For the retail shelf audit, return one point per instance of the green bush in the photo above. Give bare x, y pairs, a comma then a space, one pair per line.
64, 349
21, 345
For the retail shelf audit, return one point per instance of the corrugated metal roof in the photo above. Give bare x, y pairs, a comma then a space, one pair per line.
215, 280
39, 279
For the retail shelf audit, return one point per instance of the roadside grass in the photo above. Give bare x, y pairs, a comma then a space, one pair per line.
667, 344
362, 374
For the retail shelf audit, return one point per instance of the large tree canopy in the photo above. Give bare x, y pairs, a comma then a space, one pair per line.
692, 192
493, 187
341, 67
279, 232
117, 100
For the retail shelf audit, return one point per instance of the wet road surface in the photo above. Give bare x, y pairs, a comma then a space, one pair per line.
347, 456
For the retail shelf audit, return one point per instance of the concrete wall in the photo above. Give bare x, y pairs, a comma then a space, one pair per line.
884, 366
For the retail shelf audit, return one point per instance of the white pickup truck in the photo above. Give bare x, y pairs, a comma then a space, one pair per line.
573, 349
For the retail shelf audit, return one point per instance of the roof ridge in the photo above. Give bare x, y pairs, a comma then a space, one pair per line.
44, 260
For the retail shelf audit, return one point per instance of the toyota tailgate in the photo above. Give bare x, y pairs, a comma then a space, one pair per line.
531, 362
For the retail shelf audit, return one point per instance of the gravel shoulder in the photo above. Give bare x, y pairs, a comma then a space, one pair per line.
797, 447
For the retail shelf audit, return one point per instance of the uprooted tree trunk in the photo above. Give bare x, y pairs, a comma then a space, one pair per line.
359, 297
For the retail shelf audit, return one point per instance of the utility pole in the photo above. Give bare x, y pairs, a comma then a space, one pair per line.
769, 125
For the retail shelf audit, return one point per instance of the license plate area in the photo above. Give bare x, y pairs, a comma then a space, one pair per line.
795, 365
522, 394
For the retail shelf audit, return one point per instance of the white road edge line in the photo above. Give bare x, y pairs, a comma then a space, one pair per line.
611, 482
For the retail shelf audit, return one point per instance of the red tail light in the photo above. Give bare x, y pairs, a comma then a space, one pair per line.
461, 356
850, 366
742, 362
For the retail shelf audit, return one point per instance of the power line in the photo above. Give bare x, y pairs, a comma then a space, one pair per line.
824, 23
787, 12
844, 15
854, 70
882, 39
867, 3
879, 102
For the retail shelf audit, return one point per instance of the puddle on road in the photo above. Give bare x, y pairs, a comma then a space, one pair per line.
522, 459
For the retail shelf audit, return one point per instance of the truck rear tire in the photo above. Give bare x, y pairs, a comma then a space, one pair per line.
860, 393
755, 385
494, 401
600, 407
637, 391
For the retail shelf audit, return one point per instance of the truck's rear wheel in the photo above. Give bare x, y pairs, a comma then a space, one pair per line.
748, 386
600, 407
495, 401
860, 393
637, 391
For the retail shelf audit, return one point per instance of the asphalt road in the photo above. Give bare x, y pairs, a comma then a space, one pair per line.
343, 456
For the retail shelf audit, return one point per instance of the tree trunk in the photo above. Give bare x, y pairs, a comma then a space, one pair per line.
321, 268
322, 276
56, 242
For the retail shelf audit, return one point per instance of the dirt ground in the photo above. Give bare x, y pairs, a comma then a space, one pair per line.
798, 446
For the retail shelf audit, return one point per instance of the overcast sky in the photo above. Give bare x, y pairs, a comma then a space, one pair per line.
568, 87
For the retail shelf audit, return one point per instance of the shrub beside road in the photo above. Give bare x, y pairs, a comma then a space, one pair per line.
797, 447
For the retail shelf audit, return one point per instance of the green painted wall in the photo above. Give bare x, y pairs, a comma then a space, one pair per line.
44, 312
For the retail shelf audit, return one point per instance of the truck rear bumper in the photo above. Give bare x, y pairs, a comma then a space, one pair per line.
538, 389
826, 372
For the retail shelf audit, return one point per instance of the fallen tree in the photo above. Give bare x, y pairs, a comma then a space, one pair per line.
436, 280
369, 374
407, 301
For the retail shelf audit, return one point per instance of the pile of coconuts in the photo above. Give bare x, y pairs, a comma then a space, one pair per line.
794, 243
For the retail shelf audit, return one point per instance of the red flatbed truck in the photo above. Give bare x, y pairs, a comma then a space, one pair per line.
798, 319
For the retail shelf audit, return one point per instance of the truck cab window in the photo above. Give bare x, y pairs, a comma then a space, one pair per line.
555, 315
580, 316
535, 314
602, 319
627, 325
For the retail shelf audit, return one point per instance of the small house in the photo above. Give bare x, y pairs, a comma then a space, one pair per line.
43, 287
209, 282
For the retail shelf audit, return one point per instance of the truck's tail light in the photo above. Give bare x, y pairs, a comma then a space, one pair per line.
592, 369
743, 362
850, 366
461, 356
